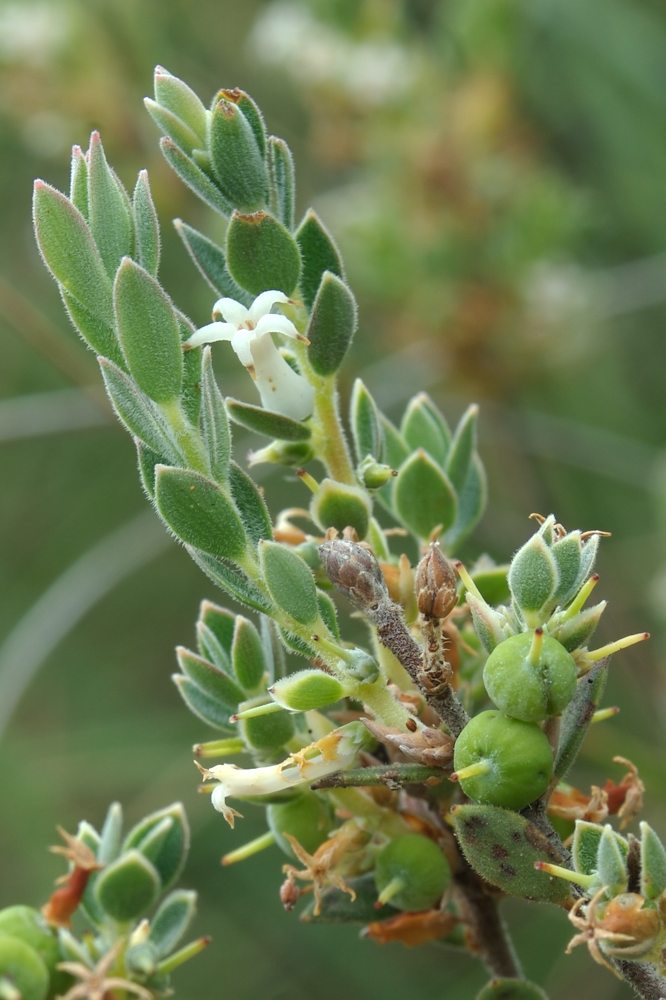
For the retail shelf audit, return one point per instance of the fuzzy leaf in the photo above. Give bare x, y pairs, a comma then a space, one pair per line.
173, 127
261, 421
319, 253
337, 505
250, 504
232, 580
78, 181
611, 867
211, 648
262, 254
329, 613
472, 499
175, 95
282, 181
163, 838
211, 262
111, 834
267, 732
127, 887
194, 177
220, 621
653, 863
289, 581
420, 429
502, 847
365, 422
577, 716
212, 680
149, 332
423, 497
306, 690
198, 512
585, 846
172, 920
147, 460
136, 412
462, 447
69, 252
247, 654
533, 575
109, 214
146, 225
97, 334
208, 709
332, 325
214, 423
236, 158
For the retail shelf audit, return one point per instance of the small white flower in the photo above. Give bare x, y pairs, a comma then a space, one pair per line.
250, 333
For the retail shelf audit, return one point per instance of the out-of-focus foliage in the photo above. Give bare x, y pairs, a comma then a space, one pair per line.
522, 145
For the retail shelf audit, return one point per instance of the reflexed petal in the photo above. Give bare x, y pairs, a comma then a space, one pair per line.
274, 323
211, 333
280, 387
231, 311
264, 303
240, 341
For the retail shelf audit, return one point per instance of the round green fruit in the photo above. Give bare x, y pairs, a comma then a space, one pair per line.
29, 925
501, 761
308, 818
411, 873
530, 676
511, 989
23, 968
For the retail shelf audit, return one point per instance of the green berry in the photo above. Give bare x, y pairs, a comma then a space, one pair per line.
308, 818
29, 925
411, 873
530, 676
23, 968
501, 761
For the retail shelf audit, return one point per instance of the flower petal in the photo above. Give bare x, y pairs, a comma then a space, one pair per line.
240, 342
231, 311
274, 323
280, 387
264, 303
211, 333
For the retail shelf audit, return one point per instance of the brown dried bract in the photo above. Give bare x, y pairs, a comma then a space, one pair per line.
428, 746
412, 929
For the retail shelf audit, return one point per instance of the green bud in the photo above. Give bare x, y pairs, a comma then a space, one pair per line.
290, 582
236, 158
23, 968
511, 989
361, 666
653, 864
307, 689
576, 632
423, 496
502, 761
319, 253
127, 887
198, 512
411, 873
290, 453
503, 847
488, 624
338, 505
262, 254
332, 325
175, 96
307, 817
530, 676
374, 474
533, 579
611, 868
163, 838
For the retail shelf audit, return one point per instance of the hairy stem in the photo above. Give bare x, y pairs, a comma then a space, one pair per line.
487, 933
329, 439
392, 775
643, 979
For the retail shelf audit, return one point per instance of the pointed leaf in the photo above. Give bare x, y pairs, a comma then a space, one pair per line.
214, 423
98, 334
274, 425
212, 680
211, 262
208, 709
78, 181
319, 253
251, 112
146, 225
247, 655
233, 581
365, 423
136, 412
611, 867
220, 621
653, 864
423, 497
109, 217
163, 838
282, 181
472, 499
198, 512
236, 158
250, 505
211, 649
175, 95
420, 429
173, 127
194, 177
577, 716
290, 582
111, 834
172, 920
462, 448
332, 324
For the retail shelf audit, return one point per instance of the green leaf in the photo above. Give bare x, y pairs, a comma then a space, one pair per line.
194, 177
585, 846
262, 254
163, 838
146, 225
198, 512
319, 253
332, 325
211, 648
653, 864
472, 499
420, 429
147, 460
212, 680
365, 421
282, 181
502, 847
533, 575
97, 334
190, 395
208, 709
109, 215
149, 332
233, 581
329, 613
111, 834
127, 887
250, 504
423, 497
266, 732
174, 916
211, 262
175, 96
290, 582
69, 252
611, 866
236, 158
173, 127
251, 112
247, 654
295, 644
462, 448
395, 448
136, 412
567, 555
577, 716
214, 423
337, 505
261, 421
78, 181
220, 621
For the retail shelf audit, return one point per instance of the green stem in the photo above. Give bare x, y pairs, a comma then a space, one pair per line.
383, 705
392, 775
329, 438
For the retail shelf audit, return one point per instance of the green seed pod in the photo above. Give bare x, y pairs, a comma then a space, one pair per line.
530, 676
411, 873
29, 925
23, 968
337, 505
511, 989
307, 689
502, 761
308, 818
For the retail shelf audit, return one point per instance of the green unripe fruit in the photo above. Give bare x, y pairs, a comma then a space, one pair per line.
530, 676
502, 761
511, 989
411, 873
29, 925
308, 818
22, 967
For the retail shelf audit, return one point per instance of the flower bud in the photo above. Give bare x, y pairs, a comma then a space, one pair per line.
374, 474
435, 584
353, 567
292, 453
307, 689
361, 666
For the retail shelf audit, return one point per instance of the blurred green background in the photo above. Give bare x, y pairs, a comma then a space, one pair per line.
494, 173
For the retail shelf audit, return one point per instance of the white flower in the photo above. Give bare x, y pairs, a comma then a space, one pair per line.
249, 331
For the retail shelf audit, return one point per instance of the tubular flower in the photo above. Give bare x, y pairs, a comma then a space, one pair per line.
249, 332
